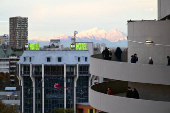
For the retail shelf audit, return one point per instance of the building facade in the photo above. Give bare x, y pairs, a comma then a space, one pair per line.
4, 39
8, 61
52, 79
146, 39
18, 31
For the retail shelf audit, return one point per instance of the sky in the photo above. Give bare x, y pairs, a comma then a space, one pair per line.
49, 18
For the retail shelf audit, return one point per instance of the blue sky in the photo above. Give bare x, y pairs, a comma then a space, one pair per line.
48, 18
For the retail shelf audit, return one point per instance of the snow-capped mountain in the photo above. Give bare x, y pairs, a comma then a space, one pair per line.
111, 38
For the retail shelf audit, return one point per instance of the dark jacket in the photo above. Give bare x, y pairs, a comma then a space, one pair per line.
106, 53
168, 62
135, 94
129, 94
134, 59
151, 61
118, 53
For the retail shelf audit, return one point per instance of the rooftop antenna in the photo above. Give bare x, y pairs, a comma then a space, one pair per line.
74, 39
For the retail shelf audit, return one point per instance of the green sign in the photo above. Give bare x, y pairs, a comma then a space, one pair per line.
72, 46
81, 46
32, 46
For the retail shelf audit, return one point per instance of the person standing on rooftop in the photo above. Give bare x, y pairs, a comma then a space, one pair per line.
106, 53
134, 58
150, 60
118, 53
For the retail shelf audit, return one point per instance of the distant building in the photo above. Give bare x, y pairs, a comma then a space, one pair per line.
4, 39
10, 98
98, 45
8, 60
18, 29
103, 45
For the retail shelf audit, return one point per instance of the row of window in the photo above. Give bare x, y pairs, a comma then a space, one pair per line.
59, 59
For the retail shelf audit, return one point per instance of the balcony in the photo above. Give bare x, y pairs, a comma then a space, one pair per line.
118, 103
141, 73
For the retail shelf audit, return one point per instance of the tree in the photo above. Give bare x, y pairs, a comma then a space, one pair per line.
62, 110
6, 109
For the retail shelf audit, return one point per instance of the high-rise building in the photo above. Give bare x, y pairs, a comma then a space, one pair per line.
18, 31
52, 79
146, 38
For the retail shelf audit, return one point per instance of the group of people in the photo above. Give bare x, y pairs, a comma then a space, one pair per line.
108, 54
134, 59
132, 93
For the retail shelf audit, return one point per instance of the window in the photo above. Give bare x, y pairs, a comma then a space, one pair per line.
59, 59
78, 59
30, 59
24, 59
48, 59
85, 59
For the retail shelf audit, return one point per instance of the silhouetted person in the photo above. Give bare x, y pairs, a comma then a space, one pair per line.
134, 58
168, 61
109, 92
150, 60
106, 53
118, 53
135, 94
129, 93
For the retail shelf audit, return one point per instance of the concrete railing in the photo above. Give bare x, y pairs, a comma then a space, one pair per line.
141, 73
116, 104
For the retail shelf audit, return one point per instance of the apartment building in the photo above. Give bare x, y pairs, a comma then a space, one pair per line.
18, 31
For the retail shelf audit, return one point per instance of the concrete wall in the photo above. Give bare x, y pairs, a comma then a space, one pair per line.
163, 8
156, 31
142, 73
152, 91
123, 56
116, 104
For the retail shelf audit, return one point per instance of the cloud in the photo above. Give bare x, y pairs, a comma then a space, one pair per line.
3, 21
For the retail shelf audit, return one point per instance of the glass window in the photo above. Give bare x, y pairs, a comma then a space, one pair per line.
48, 59
59, 59
78, 59
24, 59
85, 59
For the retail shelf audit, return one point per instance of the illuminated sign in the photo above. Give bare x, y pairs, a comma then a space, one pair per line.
81, 46
32, 46
72, 46
57, 87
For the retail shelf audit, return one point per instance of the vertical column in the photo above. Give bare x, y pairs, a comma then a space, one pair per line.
75, 85
22, 69
42, 88
22, 85
65, 86
33, 84
100, 79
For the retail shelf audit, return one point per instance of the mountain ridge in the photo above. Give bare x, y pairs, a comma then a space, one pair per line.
112, 37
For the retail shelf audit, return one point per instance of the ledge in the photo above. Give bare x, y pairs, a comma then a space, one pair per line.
117, 104
142, 73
